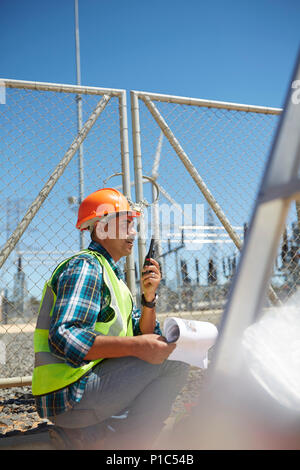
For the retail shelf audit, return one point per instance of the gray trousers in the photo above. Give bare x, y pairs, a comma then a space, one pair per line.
140, 392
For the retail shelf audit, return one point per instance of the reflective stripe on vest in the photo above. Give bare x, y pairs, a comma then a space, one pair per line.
52, 373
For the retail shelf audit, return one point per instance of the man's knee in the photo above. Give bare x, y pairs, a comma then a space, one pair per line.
176, 368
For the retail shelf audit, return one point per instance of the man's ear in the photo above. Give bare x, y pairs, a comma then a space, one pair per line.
100, 229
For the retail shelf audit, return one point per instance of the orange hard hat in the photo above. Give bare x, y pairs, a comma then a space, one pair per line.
101, 203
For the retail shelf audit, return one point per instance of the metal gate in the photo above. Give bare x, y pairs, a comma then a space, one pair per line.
57, 143
207, 158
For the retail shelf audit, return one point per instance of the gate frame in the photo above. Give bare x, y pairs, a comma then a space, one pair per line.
148, 99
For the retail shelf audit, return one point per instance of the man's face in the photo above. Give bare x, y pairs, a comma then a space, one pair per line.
119, 234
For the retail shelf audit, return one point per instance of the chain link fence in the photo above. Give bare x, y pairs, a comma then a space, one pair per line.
208, 159
39, 125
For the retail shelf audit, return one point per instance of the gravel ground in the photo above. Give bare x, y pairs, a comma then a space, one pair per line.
18, 414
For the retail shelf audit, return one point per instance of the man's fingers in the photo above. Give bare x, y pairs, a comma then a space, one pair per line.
151, 269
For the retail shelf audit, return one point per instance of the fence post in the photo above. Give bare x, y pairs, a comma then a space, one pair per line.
130, 271
138, 173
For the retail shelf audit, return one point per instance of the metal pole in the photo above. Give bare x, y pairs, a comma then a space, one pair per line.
16, 381
79, 118
130, 271
138, 173
43, 194
155, 207
60, 87
177, 272
208, 103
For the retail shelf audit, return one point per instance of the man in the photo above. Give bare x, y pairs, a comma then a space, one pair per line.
101, 371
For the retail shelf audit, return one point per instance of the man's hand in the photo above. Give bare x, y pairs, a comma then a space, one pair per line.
148, 347
152, 348
151, 280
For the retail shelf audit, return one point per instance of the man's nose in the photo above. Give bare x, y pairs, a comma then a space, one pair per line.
132, 231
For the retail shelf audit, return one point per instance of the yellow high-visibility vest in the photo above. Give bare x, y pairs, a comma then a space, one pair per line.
52, 373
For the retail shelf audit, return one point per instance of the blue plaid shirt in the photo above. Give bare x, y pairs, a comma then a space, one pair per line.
82, 300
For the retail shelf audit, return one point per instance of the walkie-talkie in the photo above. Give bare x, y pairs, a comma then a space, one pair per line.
149, 255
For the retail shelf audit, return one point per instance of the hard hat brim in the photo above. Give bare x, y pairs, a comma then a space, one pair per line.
87, 222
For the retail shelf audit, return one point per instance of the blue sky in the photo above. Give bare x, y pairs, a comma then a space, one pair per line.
230, 50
